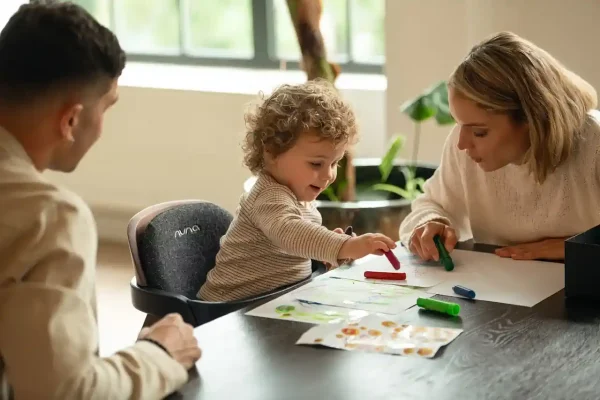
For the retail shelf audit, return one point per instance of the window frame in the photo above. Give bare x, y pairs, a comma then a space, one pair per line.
263, 21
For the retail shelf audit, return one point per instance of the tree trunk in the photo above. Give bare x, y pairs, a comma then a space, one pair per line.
306, 17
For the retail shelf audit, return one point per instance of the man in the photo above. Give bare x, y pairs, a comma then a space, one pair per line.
58, 75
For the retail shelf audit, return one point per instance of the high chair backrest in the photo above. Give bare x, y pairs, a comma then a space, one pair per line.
174, 244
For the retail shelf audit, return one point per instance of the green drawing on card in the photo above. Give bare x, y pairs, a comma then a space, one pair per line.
285, 309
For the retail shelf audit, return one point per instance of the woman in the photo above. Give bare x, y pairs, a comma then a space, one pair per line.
520, 167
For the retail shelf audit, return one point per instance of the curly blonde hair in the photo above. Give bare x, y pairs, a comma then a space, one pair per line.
291, 110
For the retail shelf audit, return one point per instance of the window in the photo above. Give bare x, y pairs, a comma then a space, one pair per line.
241, 33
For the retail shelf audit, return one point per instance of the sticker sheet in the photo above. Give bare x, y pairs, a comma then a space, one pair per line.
376, 334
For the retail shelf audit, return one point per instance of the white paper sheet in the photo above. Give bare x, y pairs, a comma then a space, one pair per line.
329, 300
418, 273
502, 280
288, 308
387, 299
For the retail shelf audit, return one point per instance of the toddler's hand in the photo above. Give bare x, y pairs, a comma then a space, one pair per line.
340, 230
341, 261
363, 245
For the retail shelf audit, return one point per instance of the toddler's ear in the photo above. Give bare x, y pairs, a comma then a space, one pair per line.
267, 155
268, 159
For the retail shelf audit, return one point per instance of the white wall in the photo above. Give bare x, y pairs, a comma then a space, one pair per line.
7, 8
425, 42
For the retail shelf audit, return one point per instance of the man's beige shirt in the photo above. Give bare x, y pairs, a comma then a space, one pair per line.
48, 321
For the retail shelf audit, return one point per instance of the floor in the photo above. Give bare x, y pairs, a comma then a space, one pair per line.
119, 322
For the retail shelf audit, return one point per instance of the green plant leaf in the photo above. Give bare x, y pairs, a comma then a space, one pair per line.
409, 172
330, 193
340, 188
439, 96
387, 162
419, 109
431, 103
414, 185
441, 87
392, 189
443, 116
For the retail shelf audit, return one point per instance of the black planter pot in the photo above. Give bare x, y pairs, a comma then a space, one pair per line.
374, 211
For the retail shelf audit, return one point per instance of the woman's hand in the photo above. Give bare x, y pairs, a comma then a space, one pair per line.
421, 241
548, 249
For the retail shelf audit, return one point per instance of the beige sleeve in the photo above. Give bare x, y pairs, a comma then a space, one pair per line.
277, 215
443, 196
48, 334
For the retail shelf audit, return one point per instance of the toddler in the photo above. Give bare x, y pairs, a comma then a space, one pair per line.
293, 144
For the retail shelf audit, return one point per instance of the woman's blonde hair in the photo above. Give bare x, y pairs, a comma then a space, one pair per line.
508, 74
291, 110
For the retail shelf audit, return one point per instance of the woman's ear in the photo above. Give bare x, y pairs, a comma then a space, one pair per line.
69, 120
524, 127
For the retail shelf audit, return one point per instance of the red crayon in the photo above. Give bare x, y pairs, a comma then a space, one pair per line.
393, 276
393, 259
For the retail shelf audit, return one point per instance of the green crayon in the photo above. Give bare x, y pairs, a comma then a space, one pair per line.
439, 306
445, 258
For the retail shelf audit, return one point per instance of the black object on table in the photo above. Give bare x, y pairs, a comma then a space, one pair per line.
582, 274
505, 352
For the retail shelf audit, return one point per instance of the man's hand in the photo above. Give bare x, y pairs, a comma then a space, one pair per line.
548, 249
177, 337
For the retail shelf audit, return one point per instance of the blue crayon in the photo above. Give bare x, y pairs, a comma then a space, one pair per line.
463, 291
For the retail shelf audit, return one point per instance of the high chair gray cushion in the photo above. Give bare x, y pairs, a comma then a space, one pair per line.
179, 246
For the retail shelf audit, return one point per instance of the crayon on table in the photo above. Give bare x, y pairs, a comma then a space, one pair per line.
445, 258
393, 276
464, 291
439, 306
392, 259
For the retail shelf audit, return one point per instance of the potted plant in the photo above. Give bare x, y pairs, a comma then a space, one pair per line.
385, 187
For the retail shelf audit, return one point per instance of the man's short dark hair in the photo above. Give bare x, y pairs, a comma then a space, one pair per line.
49, 44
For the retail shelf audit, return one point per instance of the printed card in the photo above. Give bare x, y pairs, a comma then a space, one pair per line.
376, 334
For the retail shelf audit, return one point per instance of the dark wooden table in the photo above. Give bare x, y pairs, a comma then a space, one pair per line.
550, 351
